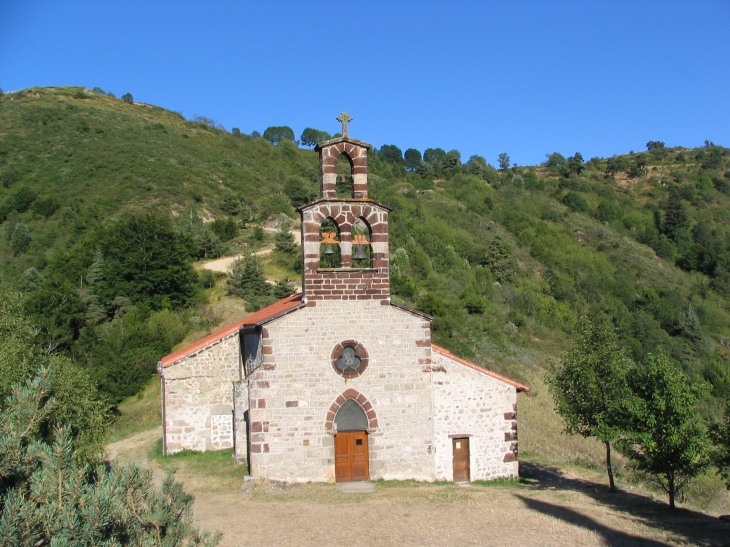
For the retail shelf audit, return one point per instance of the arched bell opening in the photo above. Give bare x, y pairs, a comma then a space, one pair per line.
344, 188
329, 244
362, 251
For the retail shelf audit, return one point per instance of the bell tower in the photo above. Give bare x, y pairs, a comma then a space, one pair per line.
344, 232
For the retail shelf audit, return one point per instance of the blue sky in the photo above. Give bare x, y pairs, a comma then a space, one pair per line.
526, 78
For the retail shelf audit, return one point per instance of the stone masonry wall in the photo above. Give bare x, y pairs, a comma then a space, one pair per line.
357, 152
199, 398
345, 283
292, 392
470, 403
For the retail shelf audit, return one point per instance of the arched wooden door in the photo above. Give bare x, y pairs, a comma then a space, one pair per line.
351, 443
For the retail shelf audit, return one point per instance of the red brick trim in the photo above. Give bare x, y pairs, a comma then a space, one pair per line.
360, 352
360, 399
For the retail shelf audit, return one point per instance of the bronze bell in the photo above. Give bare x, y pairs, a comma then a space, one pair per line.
360, 253
328, 249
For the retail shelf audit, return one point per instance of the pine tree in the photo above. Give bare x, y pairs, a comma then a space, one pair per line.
675, 216
284, 240
247, 279
21, 239
283, 288
47, 499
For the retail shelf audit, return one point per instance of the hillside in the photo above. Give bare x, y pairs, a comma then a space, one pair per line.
506, 260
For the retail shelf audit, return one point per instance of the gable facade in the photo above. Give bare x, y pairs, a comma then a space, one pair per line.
280, 385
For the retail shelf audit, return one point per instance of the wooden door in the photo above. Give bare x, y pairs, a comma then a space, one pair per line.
461, 459
351, 456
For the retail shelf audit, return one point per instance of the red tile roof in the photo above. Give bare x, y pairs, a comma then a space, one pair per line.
447, 353
268, 313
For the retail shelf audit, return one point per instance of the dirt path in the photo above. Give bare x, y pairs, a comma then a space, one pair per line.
552, 508
223, 265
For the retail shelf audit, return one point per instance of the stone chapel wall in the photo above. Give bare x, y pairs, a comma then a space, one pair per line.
198, 395
468, 402
292, 392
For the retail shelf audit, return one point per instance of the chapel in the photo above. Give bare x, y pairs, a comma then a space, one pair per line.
339, 383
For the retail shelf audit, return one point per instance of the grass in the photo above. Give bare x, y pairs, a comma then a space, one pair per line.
138, 413
217, 470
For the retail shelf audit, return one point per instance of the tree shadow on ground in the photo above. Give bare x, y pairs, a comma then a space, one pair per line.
686, 525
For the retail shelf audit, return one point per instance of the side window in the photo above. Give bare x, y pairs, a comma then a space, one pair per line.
251, 350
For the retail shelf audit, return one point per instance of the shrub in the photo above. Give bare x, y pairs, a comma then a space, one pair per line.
127, 98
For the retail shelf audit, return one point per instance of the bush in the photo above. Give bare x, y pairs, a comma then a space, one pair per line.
575, 202
127, 98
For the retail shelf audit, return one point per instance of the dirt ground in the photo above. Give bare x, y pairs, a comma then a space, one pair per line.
551, 508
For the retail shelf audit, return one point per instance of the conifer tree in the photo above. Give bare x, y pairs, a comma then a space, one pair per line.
21, 239
47, 499
284, 240
247, 279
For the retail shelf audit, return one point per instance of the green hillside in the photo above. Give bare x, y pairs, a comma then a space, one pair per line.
506, 260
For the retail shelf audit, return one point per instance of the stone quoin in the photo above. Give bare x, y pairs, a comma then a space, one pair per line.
338, 383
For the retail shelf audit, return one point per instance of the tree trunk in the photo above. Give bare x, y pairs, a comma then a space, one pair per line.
611, 484
670, 487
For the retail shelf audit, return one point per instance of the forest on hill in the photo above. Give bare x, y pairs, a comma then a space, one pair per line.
106, 205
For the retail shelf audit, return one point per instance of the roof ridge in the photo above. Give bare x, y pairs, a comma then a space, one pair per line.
483, 370
275, 310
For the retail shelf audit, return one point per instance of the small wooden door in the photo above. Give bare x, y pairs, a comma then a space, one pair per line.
461, 459
351, 456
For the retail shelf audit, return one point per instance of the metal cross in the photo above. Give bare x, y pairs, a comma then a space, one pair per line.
344, 118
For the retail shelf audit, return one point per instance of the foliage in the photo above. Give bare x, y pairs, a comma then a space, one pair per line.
310, 137
284, 240
276, 134
146, 261
667, 438
413, 159
504, 161
247, 278
47, 498
127, 98
720, 434
589, 385
78, 405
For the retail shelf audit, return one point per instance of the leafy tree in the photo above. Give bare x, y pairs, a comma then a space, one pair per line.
22, 199
225, 228
247, 279
589, 385
504, 161
275, 134
127, 98
146, 261
310, 137
575, 202
48, 499
299, 190
556, 161
391, 153
284, 240
720, 435
654, 145
451, 162
78, 404
413, 159
667, 439
21, 239
616, 165
433, 156
575, 163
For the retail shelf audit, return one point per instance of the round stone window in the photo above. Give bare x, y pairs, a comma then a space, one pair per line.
349, 359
